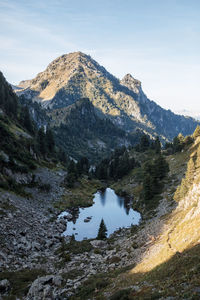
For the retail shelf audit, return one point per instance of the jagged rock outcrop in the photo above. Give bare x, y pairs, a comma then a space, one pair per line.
132, 83
76, 75
44, 287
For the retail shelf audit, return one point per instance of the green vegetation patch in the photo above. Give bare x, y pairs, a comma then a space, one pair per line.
74, 247
121, 295
73, 274
11, 185
91, 288
20, 281
81, 195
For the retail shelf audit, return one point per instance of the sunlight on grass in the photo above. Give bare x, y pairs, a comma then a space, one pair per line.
181, 229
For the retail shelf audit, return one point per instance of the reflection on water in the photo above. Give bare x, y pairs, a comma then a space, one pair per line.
120, 201
102, 196
115, 211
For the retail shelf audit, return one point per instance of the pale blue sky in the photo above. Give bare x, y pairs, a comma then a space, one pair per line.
157, 41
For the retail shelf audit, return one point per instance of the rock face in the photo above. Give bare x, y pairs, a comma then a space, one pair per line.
76, 75
132, 83
44, 287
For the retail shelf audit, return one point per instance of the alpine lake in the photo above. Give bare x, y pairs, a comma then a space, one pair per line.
116, 212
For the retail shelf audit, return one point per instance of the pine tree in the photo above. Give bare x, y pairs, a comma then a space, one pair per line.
196, 132
144, 143
84, 164
72, 174
177, 145
161, 167
186, 182
111, 170
148, 187
102, 233
41, 140
102, 171
26, 119
50, 140
62, 156
157, 145
72, 167
188, 140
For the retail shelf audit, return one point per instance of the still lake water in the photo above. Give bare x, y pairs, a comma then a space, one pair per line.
114, 210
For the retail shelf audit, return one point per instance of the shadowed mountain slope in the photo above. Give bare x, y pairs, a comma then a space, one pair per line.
81, 132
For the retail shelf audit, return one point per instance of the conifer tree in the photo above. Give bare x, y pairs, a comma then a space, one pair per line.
50, 140
196, 132
144, 143
161, 167
177, 146
26, 119
157, 145
72, 174
102, 233
41, 140
72, 167
111, 170
84, 164
147, 186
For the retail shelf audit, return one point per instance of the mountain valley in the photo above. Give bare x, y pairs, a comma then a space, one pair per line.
75, 130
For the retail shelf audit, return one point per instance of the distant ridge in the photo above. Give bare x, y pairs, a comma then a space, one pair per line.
189, 113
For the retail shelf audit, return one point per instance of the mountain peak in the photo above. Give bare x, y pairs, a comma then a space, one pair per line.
75, 57
77, 75
130, 82
76, 67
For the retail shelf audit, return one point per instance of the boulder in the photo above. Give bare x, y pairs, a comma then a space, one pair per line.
98, 244
4, 156
4, 286
45, 285
86, 220
69, 217
65, 215
36, 246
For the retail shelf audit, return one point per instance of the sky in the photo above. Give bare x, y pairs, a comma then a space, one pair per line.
157, 41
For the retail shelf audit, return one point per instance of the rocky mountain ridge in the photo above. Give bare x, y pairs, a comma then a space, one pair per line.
76, 75
195, 114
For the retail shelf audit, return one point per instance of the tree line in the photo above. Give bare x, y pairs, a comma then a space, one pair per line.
119, 164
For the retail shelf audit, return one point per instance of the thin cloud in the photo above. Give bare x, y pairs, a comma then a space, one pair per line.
36, 30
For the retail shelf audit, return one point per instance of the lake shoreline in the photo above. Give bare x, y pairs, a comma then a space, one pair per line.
116, 211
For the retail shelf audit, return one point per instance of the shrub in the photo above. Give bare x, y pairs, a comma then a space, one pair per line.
121, 295
66, 257
114, 260
45, 187
97, 251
